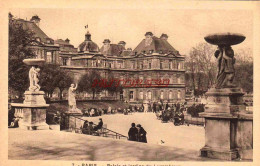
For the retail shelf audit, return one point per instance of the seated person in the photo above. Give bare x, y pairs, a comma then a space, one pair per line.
90, 128
14, 123
85, 127
100, 125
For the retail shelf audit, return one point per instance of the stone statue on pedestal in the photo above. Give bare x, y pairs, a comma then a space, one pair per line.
71, 96
224, 109
72, 99
34, 79
226, 71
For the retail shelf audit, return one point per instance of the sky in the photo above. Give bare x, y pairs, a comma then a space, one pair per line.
185, 28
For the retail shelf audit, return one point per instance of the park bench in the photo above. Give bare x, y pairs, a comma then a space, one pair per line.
101, 132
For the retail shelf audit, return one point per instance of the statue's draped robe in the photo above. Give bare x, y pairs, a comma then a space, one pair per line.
225, 68
71, 97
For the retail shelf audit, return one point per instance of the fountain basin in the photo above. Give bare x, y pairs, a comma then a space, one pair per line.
34, 62
225, 39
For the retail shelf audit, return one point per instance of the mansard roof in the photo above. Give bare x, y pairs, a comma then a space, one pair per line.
38, 33
157, 45
113, 50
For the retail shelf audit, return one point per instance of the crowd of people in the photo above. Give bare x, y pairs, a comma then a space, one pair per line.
169, 112
137, 133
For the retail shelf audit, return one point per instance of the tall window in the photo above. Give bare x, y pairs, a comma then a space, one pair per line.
161, 95
170, 95
65, 61
149, 95
150, 65
49, 57
170, 64
161, 64
178, 79
141, 66
175, 64
133, 65
179, 94
52, 58
131, 95
121, 95
141, 95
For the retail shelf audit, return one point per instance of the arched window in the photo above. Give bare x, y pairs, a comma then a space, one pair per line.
161, 64
149, 95
179, 94
161, 95
141, 95
131, 95
170, 64
178, 79
170, 95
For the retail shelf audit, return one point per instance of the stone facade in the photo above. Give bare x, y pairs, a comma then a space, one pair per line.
156, 60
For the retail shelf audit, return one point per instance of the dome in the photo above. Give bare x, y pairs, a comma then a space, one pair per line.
88, 45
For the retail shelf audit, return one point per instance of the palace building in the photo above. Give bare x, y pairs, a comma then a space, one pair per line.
153, 59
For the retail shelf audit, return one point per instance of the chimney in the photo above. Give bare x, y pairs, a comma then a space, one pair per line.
148, 34
36, 19
106, 46
164, 36
148, 38
122, 43
106, 41
67, 40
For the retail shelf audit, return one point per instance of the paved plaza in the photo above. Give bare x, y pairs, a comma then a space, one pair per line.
185, 137
182, 143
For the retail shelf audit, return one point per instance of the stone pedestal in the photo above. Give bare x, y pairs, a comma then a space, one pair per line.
71, 121
32, 113
222, 121
244, 135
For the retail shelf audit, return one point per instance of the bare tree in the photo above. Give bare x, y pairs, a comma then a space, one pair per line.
202, 66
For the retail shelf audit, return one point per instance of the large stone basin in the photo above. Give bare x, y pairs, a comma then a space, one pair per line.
227, 39
34, 62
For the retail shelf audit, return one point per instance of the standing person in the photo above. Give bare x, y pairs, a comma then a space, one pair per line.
141, 134
109, 110
149, 107
157, 107
132, 133
178, 106
166, 106
142, 107
154, 107
145, 107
